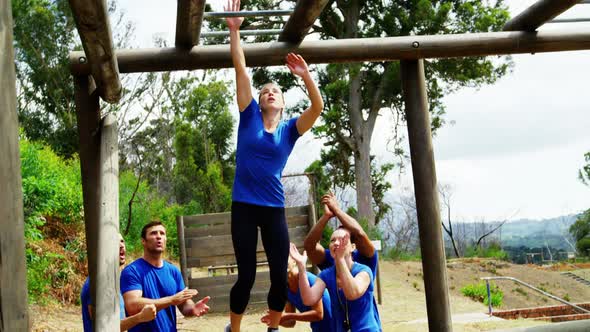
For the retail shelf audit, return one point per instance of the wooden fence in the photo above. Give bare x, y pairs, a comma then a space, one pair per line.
205, 242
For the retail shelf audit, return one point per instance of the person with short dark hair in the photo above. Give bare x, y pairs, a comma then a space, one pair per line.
152, 280
147, 313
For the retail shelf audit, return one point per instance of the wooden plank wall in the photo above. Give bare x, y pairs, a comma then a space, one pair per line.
207, 242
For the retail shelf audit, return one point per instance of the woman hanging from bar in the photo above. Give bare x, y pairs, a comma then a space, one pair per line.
264, 145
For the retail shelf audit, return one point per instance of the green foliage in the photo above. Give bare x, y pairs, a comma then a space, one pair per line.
580, 230
43, 37
492, 251
51, 187
583, 246
148, 205
204, 157
478, 292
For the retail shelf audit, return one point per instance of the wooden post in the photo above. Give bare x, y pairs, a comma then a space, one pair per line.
182, 249
107, 300
88, 116
538, 14
301, 20
346, 50
92, 21
13, 276
423, 168
189, 18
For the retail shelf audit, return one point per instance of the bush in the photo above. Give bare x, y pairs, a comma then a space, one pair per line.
478, 292
492, 251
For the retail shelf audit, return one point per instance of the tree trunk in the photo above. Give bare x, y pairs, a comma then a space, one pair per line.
364, 188
362, 150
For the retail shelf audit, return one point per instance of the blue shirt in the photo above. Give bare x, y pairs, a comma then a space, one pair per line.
155, 283
295, 299
371, 262
261, 157
86, 301
362, 312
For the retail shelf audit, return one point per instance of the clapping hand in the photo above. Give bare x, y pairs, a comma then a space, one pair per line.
297, 257
183, 296
147, 313
200, 308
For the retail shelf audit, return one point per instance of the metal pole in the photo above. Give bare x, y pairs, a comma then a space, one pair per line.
580, 309
14, 314
489, 297
262, 32
252, 13
427, 206
570, 20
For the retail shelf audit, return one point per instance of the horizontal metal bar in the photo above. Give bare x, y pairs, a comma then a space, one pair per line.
569, 20
254, 13
262, 32
538, 290
346, 50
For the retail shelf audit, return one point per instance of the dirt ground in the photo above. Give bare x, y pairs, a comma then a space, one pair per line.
403, 305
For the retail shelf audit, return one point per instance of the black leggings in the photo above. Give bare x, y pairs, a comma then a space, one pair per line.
245, 220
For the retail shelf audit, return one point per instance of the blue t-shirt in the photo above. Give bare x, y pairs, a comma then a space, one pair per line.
86, 301
261, 157
362, 312
155, 283
295, 298
371, 262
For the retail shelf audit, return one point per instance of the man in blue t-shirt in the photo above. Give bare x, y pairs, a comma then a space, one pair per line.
152, 280
349, 283
147, 313
364, 253
318, 315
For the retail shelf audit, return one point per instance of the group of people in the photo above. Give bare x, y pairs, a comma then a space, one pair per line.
340, 298
151, 288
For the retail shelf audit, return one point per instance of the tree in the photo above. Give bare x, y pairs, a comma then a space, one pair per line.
44, 34
205, 160
446, 193
355, 94
43, 37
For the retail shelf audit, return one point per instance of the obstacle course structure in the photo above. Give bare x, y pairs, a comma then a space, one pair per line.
96, 73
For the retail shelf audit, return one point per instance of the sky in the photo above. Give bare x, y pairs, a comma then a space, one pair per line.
509, 150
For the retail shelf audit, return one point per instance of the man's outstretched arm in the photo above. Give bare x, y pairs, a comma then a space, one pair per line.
311, 244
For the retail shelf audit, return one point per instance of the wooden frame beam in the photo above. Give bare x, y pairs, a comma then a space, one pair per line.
347, 50
302, 19
189, 19
98, 205
108, 274
13, 272
538, 14
95, 32
426, 192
